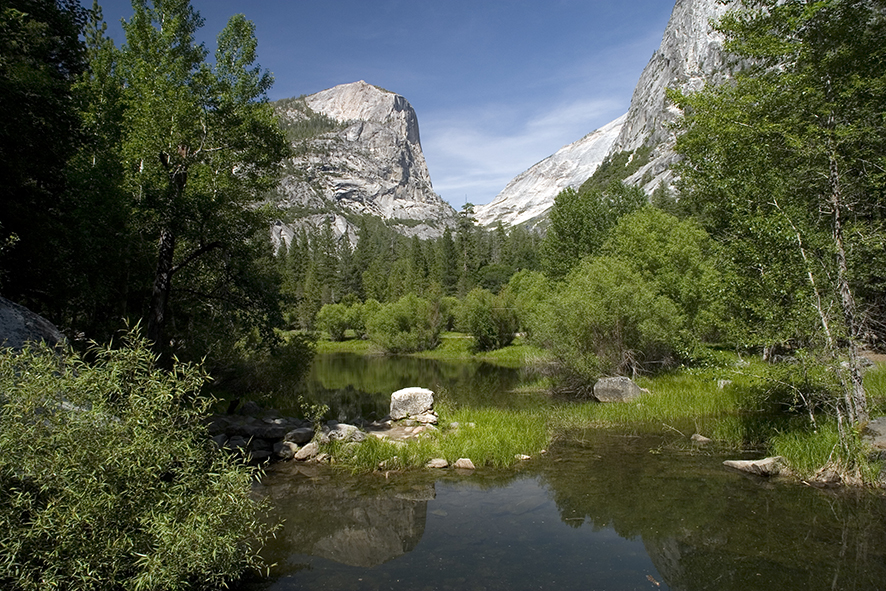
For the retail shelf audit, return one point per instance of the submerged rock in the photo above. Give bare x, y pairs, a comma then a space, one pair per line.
765, 467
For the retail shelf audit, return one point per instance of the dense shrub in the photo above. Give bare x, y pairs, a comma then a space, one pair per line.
109, 481
527, 293
335, 319
407, 325
488, 319
608, 319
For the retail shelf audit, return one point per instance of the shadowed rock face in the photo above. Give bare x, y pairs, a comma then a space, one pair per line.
18, 326
373, 164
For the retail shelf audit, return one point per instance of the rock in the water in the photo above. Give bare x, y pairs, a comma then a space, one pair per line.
411, 402
285, 450
300, 436
18, 326
700, 439
464, 464
765, 467
259, 456
438, 463
307, 452
619, 389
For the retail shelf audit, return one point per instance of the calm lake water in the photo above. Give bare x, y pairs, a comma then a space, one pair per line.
602, 510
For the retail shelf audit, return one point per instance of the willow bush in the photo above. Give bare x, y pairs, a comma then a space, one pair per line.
109, 481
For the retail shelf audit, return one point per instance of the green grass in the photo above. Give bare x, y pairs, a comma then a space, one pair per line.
352, 345
456, 346
488, 437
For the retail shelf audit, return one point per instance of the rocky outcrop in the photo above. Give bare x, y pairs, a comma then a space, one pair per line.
690, 55
19, 326
531, 194
366, 159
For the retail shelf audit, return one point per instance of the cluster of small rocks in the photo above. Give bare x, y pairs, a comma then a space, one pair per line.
260, 435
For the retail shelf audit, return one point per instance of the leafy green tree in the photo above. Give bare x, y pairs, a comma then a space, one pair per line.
447, 263
787, 164
409, 324
200, 143
579, 222
488, 319
114, 483
679, 258
334, 319
607, 319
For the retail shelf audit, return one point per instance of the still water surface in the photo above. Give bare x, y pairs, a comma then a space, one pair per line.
602, 510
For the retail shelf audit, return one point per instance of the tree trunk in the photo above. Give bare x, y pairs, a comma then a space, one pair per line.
162, 287
853, 385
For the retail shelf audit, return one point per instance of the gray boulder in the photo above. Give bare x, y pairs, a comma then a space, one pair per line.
300, 435
307, 452
285, 450
463, 464
341, 431
411, 402
619, 389
18, 326
765, 467
875, 435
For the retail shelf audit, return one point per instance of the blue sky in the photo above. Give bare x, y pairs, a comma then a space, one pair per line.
497, 85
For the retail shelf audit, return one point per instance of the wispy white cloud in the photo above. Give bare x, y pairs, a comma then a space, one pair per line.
473, 152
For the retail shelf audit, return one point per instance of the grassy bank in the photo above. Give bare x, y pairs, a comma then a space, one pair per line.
731, 402
454, 346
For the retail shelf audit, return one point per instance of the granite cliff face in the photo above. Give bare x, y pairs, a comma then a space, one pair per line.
531, 194
689, 56
357, 150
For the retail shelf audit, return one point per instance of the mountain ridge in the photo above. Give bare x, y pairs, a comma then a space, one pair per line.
689, 56
357, 151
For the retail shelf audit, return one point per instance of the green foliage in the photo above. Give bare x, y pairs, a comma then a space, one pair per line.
409, 324
678, 257
109, 481
335, 320
615, 168
608, 319
489, 318
301, 123
579, 222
